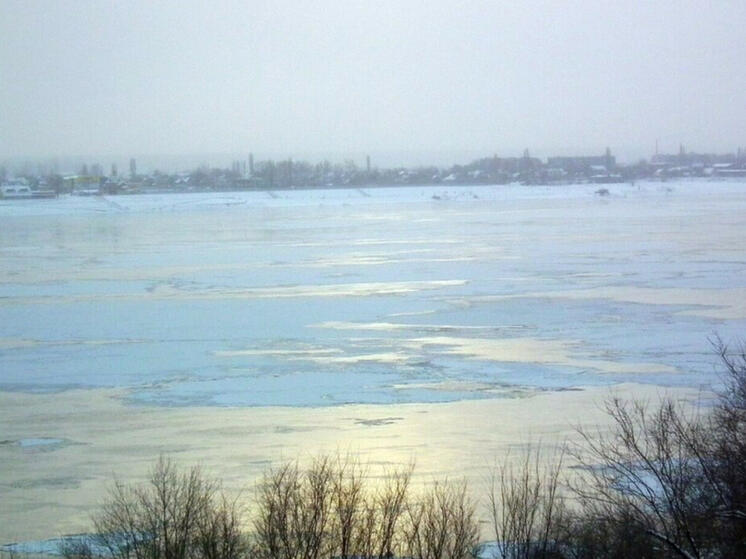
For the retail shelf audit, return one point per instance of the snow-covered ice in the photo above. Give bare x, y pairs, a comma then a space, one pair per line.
391, 295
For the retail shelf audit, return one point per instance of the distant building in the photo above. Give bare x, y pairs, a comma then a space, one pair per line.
83, 185
584, 164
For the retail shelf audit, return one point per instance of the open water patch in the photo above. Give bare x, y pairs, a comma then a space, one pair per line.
56, 546
35, 444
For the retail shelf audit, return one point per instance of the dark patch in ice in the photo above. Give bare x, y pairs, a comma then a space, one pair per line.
51, 483
35, 444
39, 388
378, 421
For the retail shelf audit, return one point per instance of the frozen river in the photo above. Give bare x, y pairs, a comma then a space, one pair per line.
319, 298
449, 326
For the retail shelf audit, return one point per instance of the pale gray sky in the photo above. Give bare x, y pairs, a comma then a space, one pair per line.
300, 78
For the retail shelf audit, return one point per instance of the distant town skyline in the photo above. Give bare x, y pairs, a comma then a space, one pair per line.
176, 163
432, 82
46, 180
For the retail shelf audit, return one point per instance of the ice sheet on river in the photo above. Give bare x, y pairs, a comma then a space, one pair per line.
327, 297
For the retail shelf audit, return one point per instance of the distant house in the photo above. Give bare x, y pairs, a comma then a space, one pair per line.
554, 174
584, 164
83, 185
727, 170
15, 191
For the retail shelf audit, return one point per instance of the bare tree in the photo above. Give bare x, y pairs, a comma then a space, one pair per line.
367, 520
593, 533
75, 548
390, 503
646, 473
527, 510
727, 428
442, 524
220, 530
176, 515
354, 518
273, 523
294, 516
327, 510
718, 446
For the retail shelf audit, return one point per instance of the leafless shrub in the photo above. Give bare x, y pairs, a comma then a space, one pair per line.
220, 530
367, 519
328, 510
277, 501
720, 451
442, 524
526, 507
8, 553
726, 435
390, 503
76, 548
646, 473
593, 534
176, 515
354, 518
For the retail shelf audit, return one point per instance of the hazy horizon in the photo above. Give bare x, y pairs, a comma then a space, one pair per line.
185, 162
396, 81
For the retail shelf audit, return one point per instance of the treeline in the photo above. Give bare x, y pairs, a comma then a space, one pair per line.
664, 482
